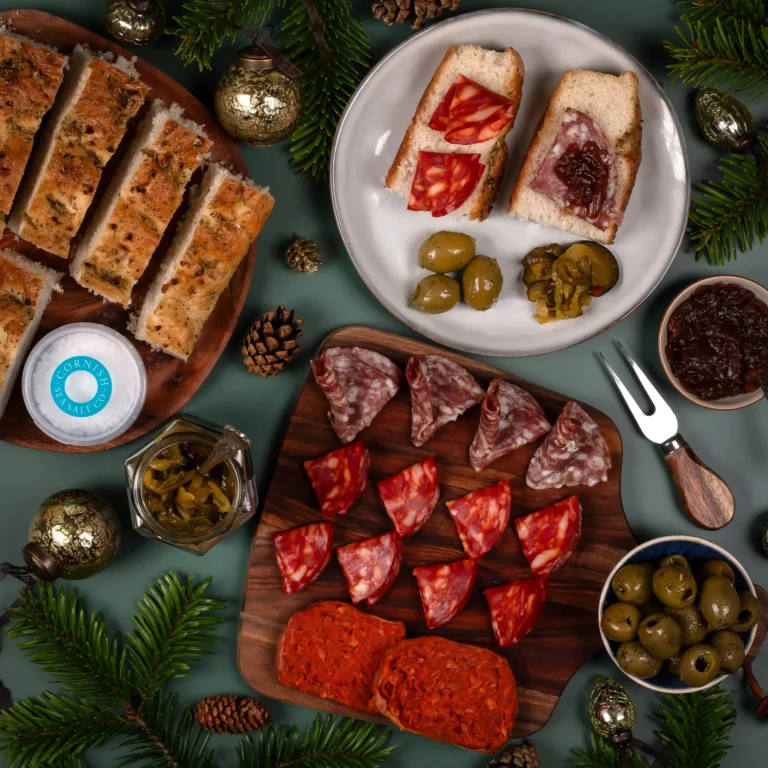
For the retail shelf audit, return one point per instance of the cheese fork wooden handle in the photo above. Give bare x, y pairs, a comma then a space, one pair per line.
706, 497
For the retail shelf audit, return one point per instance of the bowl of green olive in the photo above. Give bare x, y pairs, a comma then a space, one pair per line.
678, 614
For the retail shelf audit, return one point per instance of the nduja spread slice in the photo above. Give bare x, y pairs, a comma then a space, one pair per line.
332, 650
448, 691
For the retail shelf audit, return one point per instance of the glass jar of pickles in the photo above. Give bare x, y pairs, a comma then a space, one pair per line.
173, 502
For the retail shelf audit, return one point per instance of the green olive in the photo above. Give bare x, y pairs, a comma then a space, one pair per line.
436, 294
636, 660
446, 252
674, 586
693, 628
605, 268
675, 560
660, 634
749, 612
730, 647
620, 622
481, 283
673, 665
632, 583
699, 665
651, 607
716, 568
719, 602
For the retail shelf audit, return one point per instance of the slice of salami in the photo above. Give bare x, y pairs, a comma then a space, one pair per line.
411, 496
481, 517
445, 589
515, 608
573, 453
441, 391
339, 478
551, 535
444, 181
371, 566
302, 554
442, 114
510, 419
580, 171
358, 384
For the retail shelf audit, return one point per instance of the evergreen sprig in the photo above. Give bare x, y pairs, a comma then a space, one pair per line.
707, 11
602, 755
329, 742
727, 214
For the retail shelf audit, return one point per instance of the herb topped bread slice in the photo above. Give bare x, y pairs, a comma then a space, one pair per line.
26, 289
30, 77
97, 101
226, 214
139, 204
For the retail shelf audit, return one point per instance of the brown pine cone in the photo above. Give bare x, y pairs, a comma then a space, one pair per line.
271, 343
523, 756
398, 11
231, 714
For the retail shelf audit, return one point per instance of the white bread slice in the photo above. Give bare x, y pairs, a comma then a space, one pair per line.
26, 289
613, 103
97, 100
139, 203
499, 71
226, 213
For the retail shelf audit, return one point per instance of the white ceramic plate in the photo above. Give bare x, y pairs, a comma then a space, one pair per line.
383, 238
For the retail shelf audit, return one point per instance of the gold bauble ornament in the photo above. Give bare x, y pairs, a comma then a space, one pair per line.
74, 534
256, 102
135, 22
611, 710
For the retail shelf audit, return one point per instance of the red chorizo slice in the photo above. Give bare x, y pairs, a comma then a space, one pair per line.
551, 535
444, 181
339, 478
411, 496
573, 453
442, 114
302, 554
476, 114
515, 608
448, 691
481, 517
332, 650
371, 566
445, 589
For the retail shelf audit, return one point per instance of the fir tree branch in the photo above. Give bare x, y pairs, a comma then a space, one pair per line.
172, 627
330, 742
708, 11
74, 649
53, 730
729, 213
602, 755
730, 56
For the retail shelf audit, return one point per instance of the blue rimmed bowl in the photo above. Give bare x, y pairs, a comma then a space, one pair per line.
696, 551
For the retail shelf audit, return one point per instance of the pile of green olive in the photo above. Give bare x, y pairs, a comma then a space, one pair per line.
562, 281
667, 617
446, 252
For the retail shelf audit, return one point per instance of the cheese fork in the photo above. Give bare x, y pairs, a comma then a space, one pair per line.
707, 499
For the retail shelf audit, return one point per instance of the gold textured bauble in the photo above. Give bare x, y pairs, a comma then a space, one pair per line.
611, 710
136, 22
255, 102
78, 530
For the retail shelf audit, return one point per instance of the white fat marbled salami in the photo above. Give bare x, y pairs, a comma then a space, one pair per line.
411, 496
445, 589
371, 566
302, 554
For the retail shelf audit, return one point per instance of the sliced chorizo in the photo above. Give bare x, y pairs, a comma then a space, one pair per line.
371, 566
303, 554
339, 478
411, 496
445, 589
481, 517
515, 608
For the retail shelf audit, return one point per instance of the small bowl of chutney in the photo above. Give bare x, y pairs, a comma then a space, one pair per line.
713, 342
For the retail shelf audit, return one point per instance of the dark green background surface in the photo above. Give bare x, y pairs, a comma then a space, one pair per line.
735, 444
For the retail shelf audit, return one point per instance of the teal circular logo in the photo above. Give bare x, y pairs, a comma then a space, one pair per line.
81, 386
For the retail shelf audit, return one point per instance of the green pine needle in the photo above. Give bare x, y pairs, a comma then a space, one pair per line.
329, 742
603, 755
706, 11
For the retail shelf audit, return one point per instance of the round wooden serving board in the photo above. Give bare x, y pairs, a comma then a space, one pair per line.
171, 381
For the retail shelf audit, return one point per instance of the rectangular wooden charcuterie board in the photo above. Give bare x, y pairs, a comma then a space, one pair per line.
567, 632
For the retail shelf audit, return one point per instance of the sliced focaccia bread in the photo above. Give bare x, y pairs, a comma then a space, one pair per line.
139, 204
225, 216
26, 289
454, 151
30, 76
97, 100
581, 166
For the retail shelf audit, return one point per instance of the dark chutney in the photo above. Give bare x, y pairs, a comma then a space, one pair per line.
717, 341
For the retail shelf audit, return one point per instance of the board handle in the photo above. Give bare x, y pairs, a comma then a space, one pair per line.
706, 497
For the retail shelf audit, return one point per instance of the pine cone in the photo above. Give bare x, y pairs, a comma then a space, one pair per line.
303, 256
523, 756
398, 11
271, 343
231, 714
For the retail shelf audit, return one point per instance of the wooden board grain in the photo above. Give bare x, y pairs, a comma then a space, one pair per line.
171, 381
567, 633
